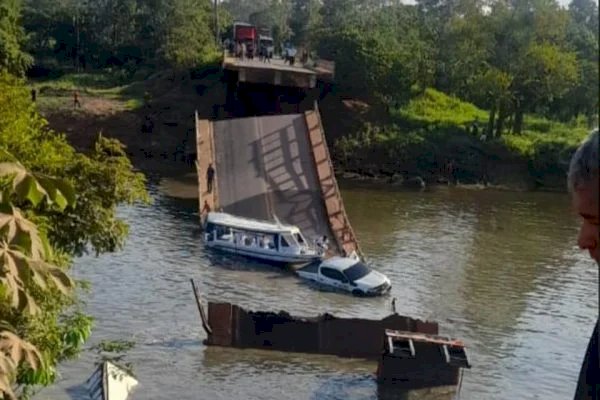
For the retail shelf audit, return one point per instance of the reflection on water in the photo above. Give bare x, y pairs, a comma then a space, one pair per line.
499, 270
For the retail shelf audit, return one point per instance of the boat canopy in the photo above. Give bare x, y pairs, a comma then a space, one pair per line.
248, 224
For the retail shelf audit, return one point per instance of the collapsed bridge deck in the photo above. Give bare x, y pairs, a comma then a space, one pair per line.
274, 166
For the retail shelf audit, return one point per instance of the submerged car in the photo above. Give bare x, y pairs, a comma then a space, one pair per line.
348, 274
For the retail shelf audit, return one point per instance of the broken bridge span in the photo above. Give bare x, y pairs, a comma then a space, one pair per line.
271, 167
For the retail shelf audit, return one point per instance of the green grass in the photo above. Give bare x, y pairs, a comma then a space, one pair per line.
70, 81
438, 109
434, 127
56, 94
435, 111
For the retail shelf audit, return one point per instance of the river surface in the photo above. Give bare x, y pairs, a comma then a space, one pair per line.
499, 270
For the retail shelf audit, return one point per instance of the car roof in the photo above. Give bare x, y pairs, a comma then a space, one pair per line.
339, 263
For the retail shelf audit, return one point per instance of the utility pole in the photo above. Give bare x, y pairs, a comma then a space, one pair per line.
216, 6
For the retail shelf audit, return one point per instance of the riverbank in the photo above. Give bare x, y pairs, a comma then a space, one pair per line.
429, 141
436, 138
151, 114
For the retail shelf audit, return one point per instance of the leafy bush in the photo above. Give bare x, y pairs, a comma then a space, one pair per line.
78, 220
434, 108
433, 128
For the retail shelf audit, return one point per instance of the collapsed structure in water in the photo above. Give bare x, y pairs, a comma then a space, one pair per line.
410, 352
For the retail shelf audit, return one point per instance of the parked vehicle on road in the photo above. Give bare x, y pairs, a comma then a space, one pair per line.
347, 274
247, 34
263, 240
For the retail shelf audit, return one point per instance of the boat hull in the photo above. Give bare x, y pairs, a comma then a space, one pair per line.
270, 257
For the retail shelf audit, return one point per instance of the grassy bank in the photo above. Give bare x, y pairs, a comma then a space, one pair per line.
122, 105
55, 95
435, 129
419, 139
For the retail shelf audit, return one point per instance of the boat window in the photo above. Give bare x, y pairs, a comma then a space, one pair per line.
223, 232
357, 271
299, 238
333, 274
287, 240
266, 241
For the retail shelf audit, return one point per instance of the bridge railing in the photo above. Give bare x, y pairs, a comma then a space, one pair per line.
344, 235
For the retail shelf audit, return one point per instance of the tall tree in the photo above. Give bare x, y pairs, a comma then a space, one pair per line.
189, 37
12, 36
305, 22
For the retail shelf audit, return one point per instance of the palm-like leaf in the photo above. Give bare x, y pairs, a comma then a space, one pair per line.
18, 271
23, 254
35, 187
21, 233
13, 352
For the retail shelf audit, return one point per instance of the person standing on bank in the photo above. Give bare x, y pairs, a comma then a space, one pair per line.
76, 102
210, 177
584, 187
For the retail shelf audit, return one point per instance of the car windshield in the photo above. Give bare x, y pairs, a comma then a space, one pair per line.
357, 271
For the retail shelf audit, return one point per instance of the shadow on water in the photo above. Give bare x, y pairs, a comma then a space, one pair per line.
240, 263
337, 378
78, 392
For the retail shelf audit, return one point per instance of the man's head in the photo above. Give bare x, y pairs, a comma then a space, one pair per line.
584, 185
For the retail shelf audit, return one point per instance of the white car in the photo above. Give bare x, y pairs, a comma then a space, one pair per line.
348, 274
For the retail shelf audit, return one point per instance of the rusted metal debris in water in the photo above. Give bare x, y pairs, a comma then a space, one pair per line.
410, 353
230, 325
413, 360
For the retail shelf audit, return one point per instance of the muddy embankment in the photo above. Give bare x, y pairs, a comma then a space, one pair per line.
160, 134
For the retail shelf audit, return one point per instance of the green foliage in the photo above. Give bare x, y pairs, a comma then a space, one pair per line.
384, 150
56, 204
24, 252
189, 39
434, 128
14, 352
102, 180
12, 36
121, 33
434, 108
114, 346
115, 351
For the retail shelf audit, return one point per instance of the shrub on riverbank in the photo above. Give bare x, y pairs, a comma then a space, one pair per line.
434, 129
100, 181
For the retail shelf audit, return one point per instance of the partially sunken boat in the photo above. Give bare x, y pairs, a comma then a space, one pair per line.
262, 240
110, 382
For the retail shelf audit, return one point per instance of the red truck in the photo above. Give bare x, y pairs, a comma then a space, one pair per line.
247, 34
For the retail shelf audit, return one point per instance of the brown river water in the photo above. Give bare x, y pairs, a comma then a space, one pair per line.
500, 270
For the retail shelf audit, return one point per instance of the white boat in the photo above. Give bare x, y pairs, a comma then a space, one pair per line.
110, 382
263, 240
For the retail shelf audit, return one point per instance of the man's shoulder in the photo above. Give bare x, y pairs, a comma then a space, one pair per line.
588, 385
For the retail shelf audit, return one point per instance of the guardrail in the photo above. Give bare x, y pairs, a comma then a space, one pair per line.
345, 237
